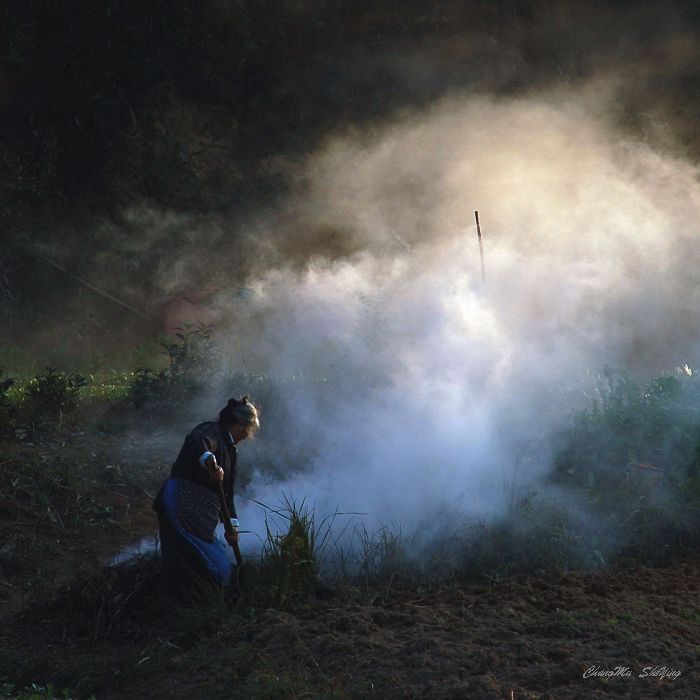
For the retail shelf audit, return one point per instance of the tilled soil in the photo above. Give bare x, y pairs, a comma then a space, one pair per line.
526, 637
523, 638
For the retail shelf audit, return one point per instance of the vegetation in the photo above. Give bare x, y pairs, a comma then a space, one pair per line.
145, 100
129, 123
597, 507
191, 368
48, 396
632, 456
635, 435
288, 570
625, 480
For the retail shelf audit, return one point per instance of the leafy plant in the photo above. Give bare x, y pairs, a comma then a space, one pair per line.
148, 389
634, 456
191, 363
48, 397
191, 356
631, 429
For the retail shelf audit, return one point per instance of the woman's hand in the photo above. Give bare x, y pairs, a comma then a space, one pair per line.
231, 537
215, 471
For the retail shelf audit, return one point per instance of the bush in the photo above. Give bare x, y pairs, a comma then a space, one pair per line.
536, 536
148, 390
191, 365
49, 397
191, 356
634, 455
630, 430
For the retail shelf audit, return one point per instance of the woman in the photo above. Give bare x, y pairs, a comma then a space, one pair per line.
188, 504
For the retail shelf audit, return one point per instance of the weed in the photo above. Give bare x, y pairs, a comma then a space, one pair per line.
381, 556
192, 354
288, 571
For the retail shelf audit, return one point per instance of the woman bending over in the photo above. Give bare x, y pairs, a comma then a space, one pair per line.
188, 504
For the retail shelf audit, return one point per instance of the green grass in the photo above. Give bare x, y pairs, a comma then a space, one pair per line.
295, 550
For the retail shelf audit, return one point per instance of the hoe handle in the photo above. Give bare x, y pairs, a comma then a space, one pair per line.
228, 527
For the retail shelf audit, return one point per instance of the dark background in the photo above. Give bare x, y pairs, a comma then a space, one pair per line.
182, 107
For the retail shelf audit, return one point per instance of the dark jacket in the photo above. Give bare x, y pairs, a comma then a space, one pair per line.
208, 437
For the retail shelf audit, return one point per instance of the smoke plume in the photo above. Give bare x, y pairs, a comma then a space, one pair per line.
428, 383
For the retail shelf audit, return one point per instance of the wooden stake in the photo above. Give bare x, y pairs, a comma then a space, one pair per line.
481, 246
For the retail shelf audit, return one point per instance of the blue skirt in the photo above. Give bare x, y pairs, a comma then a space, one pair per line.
212, 555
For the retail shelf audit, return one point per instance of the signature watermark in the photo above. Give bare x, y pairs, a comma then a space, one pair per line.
658, 672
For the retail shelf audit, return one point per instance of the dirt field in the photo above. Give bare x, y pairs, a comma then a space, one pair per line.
522, 638
534, 638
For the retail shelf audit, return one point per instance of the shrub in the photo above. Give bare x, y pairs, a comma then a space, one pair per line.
191, 357
191, 364
538, 535
48, 397
634, 455
631, 429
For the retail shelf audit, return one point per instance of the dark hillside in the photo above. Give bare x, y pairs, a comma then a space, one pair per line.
108, 102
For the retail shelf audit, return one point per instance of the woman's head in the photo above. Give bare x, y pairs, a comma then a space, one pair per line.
240, 417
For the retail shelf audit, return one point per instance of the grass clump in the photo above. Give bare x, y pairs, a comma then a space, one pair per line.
288, 571
382, 557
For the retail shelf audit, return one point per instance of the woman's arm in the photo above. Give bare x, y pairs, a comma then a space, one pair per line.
207, 458
195, 460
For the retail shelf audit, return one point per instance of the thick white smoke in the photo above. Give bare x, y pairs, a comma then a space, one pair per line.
435, 380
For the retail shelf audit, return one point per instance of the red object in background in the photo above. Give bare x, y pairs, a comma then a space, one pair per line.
193, 307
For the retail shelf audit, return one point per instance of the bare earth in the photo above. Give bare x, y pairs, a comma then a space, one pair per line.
521, 638
533, 638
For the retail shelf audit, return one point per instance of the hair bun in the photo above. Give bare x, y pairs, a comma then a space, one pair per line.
236, 402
